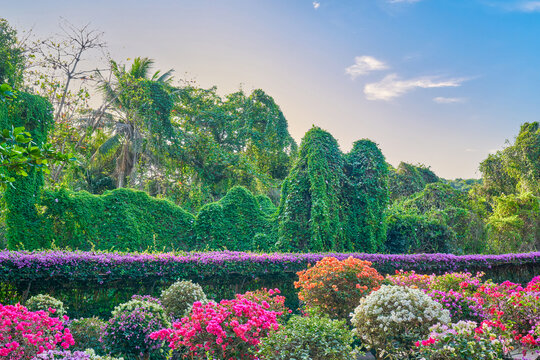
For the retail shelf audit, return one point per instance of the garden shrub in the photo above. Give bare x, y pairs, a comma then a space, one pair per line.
460, 306
457, 281
128, 331
88, 354
86, 333
230, 329
313, 337
462, 341
391, 319
119, 219
271, 297
46, 303
178, 298
336, 287
24, 334
410, 279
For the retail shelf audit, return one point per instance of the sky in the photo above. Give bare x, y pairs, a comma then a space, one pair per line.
437, 82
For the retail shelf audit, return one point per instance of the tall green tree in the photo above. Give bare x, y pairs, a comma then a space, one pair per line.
141, 107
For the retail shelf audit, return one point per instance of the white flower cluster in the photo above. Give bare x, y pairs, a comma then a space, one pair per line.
394, 316
178, 299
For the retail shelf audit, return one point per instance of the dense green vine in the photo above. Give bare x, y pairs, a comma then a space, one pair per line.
119, 219
23, 221
239, 221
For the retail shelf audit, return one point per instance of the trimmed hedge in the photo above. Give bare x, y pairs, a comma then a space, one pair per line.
93, 283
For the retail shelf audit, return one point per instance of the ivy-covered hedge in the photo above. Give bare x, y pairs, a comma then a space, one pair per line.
119, 219
92, 283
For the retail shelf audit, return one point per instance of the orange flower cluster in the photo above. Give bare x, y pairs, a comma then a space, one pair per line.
335, 287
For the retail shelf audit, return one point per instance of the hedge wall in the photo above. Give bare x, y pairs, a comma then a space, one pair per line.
93, 283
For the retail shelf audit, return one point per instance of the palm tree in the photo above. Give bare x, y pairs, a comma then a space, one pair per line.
140, 105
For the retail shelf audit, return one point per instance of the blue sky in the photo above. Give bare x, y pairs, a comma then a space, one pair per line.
437, 82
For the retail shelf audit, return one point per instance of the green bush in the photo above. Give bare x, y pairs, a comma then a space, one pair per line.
86, 333
45, 302
128, 331
178, 298
313, 337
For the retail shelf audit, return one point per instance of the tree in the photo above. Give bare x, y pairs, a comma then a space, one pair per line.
141, 110
12, 59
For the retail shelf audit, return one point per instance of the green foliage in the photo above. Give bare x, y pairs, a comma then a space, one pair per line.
12, 59
409, 232
178, 298
86, 332
313, 337
408, 179
23, 222
365, 196
45, 302
118, 219
332, 201
514, 224
463, 185
236, 222
310, 213
436, 219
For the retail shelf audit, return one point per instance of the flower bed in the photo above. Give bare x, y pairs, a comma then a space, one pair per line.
86, 279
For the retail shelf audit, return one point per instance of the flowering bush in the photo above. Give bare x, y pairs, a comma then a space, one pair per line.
46, 302
313, 337
147, 298
76, 355
335, 287
271, 297
86, 333
229, 330
24, 334
391, 319
461, 307
178, 298
128, 331
462, 341
457, 281
410, 279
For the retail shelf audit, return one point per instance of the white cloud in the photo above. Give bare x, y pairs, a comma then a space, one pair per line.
391, 86
448, 100
363, 65
529, 6
316, 5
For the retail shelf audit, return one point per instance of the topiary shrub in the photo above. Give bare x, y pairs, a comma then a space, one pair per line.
46, 303
86, 332
336, 287
391, 319
178, 298
128, 331
313, 337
